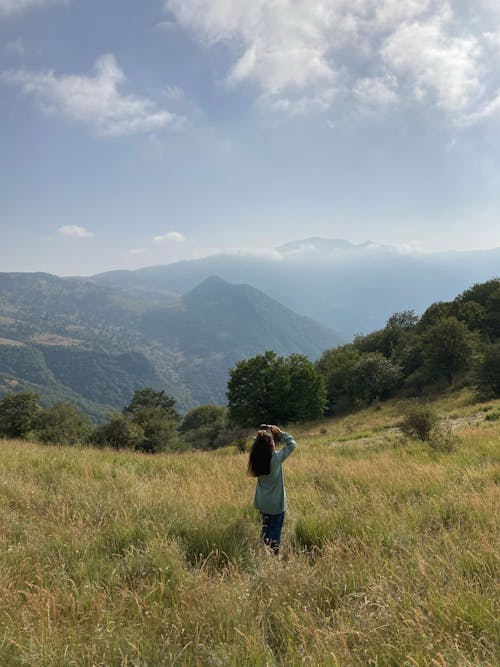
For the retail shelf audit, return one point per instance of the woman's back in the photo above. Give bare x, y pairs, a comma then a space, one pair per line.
270, 495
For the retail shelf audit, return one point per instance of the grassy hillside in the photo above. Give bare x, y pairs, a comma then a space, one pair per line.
390, 553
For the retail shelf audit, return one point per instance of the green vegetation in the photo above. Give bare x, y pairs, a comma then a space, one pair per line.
18, 414
62, 424
275, 390
390, 551
71, 340
203, 426
456, 342
419, 420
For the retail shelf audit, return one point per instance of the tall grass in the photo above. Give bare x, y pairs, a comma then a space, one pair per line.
390, 556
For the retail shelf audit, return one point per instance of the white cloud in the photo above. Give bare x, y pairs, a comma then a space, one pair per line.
283, 45
94, 100
437, 62
10, 7
176, 237
490, 109
258, 253
137, 251
304, 56
75, 231
376, 91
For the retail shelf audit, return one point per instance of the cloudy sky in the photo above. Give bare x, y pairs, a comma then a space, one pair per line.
137, 132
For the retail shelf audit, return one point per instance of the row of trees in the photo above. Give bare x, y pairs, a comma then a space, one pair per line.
149, 423
460, 338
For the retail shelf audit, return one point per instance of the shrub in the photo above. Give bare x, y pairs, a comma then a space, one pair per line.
119, 433
493, 416
419, 420
62, 424
441, 439
203, 425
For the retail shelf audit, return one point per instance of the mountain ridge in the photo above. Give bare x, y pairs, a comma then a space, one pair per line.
349, 287
96, 344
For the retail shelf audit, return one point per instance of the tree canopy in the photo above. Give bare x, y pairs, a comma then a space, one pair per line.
273, 389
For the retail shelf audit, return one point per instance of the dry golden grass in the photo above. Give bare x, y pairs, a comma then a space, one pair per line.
390, 554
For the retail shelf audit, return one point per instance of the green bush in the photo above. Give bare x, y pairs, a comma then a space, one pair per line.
119, 433
441, 439
419, 421
493, 416
62, 424
203, 425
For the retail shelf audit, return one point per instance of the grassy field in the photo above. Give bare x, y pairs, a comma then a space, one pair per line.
390, 552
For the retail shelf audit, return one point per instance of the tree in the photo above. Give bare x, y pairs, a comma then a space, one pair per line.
336, 365
160, 435
256, 388
272, 389
487, 295
406, 320
448, 346
18, 414
374, 377
306, 398
62, 423
203, 425
489, 373
119, 433
435, 312
154, 411
148, 401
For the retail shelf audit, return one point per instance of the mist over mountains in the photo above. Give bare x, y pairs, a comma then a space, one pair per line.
349, 287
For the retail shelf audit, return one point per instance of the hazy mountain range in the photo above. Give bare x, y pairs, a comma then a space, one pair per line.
350, 288
181, 326
71, 339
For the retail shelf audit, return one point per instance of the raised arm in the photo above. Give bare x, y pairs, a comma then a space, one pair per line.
288, 447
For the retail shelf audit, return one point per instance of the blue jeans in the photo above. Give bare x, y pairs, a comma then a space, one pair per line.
272, 525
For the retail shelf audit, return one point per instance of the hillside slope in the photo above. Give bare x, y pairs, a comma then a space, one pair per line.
94, 345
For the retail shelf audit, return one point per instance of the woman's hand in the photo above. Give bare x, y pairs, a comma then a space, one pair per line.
275, 430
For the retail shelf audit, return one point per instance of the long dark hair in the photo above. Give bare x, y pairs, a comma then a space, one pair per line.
259, 462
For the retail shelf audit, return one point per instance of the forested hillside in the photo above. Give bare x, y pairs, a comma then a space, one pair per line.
453, 342
72, 340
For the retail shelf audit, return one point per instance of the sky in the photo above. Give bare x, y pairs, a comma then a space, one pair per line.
141, 132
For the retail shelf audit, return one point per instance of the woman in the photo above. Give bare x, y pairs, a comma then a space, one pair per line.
270, 497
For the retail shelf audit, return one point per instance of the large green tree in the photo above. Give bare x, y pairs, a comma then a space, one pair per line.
374, 377
147, 401
448, 347
62, 424
336, 365
154, 411
307, 391
256, 389
18, 414
489, 373
273, 389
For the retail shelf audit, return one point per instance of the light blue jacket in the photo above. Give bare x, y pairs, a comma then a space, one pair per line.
270, 496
